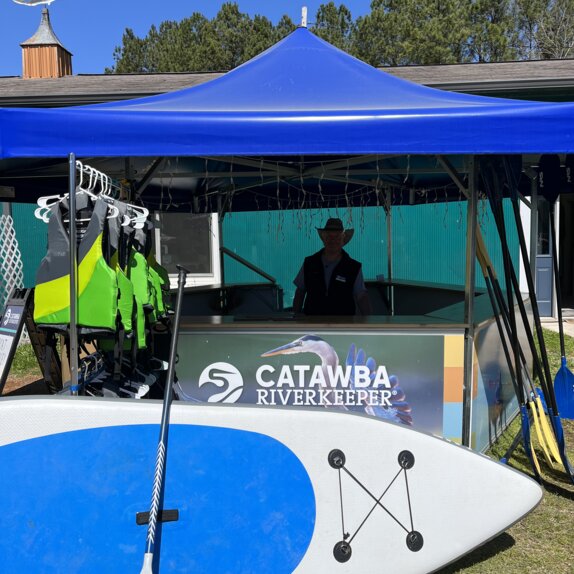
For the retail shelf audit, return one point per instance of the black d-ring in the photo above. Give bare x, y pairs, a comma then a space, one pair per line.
414, 541
406, 459
342, 551
336, 458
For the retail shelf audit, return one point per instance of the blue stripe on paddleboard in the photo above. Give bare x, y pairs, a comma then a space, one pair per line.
69, 502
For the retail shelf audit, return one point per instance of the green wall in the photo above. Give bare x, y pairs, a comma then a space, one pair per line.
428, 242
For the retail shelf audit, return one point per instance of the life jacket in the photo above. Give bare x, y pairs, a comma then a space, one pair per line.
159, 275
337, 298
126, 302
138, 273
97, 284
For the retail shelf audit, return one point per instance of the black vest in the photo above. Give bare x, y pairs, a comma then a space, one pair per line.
337, 298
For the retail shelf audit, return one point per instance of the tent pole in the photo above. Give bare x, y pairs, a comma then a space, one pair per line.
73, 358
389, 214
533, 224
469, 290
222, 292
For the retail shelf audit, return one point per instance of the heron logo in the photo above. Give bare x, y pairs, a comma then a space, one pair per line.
226, 377
7, 316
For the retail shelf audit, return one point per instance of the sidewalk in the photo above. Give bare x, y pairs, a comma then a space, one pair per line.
567, 323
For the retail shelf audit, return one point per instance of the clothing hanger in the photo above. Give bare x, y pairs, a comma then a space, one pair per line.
138, 215
85, 188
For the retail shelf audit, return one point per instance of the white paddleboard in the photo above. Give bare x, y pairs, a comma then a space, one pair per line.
248, 489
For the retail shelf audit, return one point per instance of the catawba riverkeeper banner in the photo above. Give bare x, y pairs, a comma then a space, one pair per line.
398, 377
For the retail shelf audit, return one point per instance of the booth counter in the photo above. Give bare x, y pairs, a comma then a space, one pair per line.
407, 368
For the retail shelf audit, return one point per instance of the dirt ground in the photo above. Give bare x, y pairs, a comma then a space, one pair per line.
24, 385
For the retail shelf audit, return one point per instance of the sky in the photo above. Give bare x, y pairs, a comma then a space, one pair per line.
91, 29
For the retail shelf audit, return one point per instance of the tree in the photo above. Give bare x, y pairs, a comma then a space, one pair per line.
396, 32
527, 16
335, 25
175, 47
130, 56
555, 33
178, 47
284, 27
199, 44
493, 35
262, 36
399, 32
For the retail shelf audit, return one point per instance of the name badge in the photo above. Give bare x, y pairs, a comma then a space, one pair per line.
341, 279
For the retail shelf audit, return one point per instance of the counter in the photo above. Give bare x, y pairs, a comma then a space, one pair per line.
406, 368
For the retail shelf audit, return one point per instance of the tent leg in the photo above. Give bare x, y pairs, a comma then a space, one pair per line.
469, 290
389, 221
73, 278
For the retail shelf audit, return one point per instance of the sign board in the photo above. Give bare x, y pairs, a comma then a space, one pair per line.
410, 378
10, 330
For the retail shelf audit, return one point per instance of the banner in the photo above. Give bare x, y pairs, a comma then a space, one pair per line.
397, 377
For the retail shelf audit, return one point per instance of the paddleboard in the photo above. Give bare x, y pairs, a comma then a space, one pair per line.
248, 489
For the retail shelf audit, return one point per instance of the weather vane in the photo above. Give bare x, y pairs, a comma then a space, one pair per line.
33, 2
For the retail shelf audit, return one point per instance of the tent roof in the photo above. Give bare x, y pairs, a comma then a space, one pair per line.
300, 97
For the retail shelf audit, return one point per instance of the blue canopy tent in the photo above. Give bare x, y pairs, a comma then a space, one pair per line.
300, 97
302, 111
305, 106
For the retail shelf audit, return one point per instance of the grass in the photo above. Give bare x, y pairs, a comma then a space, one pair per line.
25, 362
541, 542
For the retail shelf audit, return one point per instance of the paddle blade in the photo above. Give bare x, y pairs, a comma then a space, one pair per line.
564, 391
542, 399
527, 442
539, 433
547, 431
559, 432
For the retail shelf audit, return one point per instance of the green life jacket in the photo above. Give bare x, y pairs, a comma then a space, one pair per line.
160, 278
126, 300
97, 283
155, 280
134, 282
141, 339
138, 273
126, 289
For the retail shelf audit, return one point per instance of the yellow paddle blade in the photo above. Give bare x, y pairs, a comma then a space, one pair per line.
547, 431
535, 458
539, 434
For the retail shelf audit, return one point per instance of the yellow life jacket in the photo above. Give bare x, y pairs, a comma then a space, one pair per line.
97, 283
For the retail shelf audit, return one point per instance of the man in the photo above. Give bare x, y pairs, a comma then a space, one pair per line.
330, 282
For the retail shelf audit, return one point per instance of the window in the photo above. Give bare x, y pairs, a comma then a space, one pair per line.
191, 241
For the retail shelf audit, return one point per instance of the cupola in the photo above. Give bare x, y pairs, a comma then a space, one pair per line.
43, 55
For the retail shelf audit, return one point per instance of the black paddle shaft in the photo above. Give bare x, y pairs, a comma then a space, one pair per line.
182, 275
159, 476
557, 279
495, 199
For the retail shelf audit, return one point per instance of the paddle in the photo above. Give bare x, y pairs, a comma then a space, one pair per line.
498, 309
549, 187
159, 476
535, 401
543, 432
545, 378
